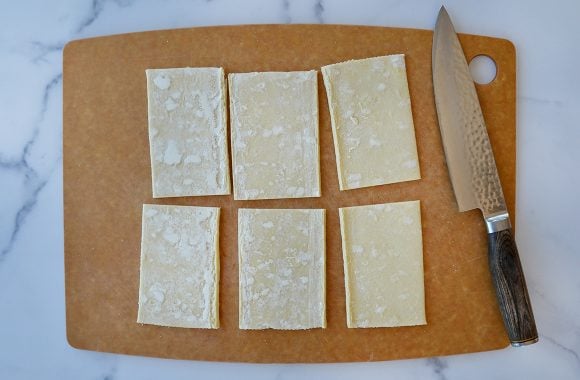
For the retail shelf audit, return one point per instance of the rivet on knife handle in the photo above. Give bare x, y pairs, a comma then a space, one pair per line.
510, 283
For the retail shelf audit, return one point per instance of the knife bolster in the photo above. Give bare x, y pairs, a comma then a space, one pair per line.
498, 221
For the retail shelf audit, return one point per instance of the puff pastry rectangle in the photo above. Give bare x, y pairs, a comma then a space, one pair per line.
188, 132
282, 268
383, 265
372, 124
275, 148
179, 279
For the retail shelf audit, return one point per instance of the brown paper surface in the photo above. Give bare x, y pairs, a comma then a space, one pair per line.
107, 179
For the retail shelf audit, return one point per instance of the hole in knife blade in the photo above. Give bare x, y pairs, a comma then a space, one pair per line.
483, 69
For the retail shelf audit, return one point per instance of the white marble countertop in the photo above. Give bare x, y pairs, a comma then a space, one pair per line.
32, 311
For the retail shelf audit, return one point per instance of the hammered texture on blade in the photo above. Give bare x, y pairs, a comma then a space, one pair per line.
468, 151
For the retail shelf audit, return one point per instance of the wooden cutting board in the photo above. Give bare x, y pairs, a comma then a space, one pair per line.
107, 179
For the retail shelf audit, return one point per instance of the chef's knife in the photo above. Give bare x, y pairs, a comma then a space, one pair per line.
475, 179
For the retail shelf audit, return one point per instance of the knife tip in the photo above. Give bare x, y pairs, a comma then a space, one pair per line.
443, 20
442, 13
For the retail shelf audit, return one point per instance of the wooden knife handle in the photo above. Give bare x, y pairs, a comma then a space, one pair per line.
510, 287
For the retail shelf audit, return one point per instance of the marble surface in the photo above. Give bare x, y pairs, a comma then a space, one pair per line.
32, 35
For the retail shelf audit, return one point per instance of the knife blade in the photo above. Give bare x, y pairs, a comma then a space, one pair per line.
474, 176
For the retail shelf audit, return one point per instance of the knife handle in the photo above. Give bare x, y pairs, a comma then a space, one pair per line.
511, 290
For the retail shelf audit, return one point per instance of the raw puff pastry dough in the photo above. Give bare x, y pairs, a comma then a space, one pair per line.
383, 264
179, 266
372, 124
188, 132
282, 268
274, 119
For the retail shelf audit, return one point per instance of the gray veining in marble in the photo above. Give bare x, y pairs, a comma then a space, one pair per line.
34, 181
439, 366
319, 11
